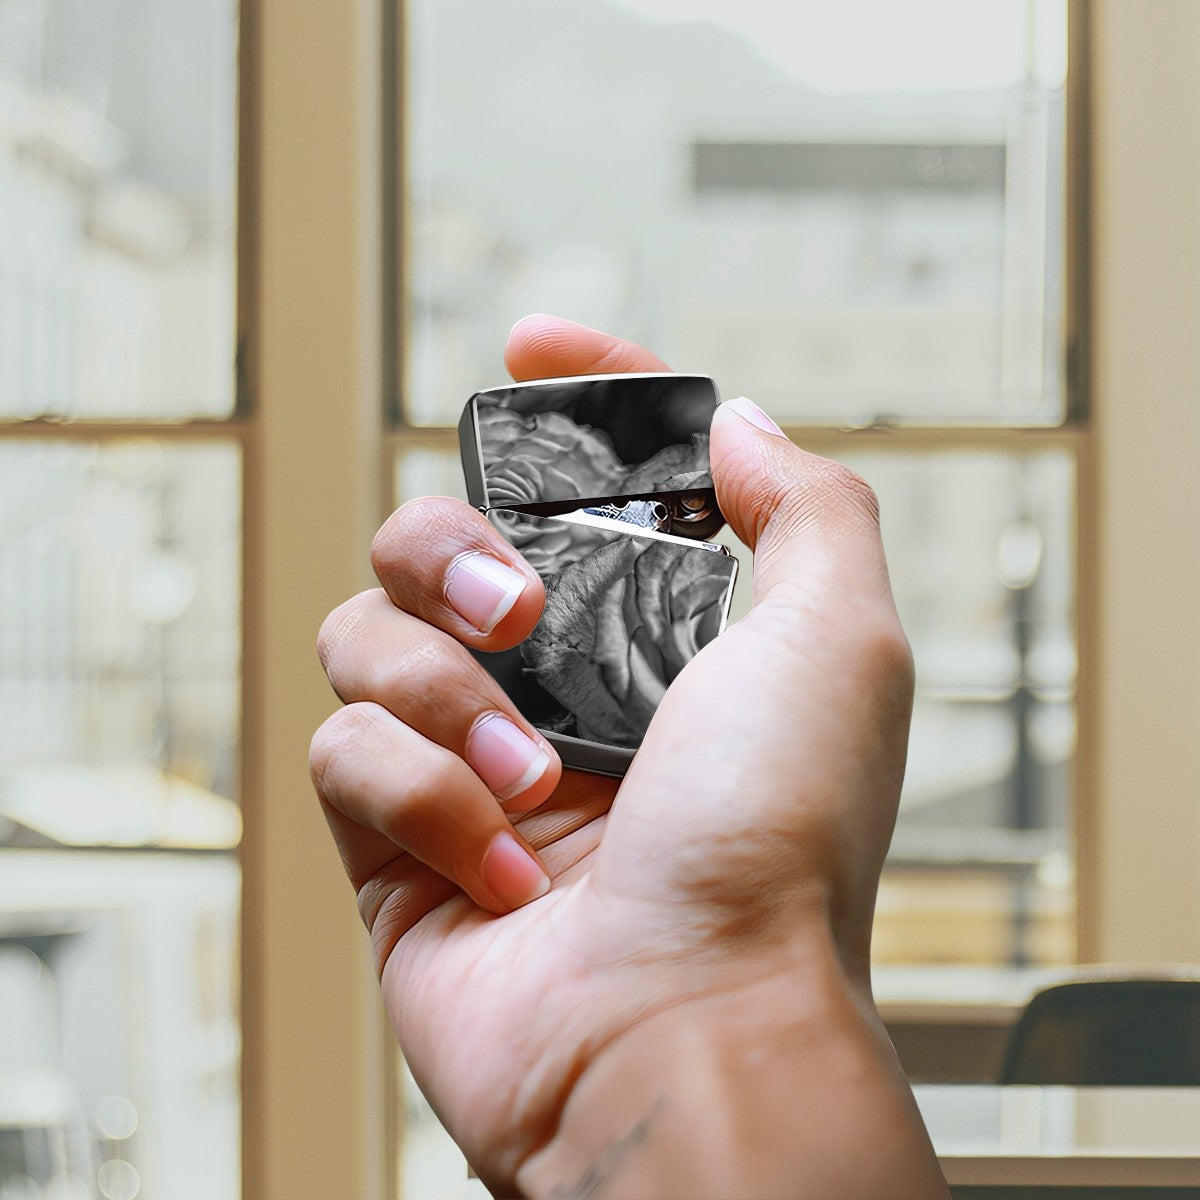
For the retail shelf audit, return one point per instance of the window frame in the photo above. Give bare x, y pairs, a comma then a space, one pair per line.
1138, 850
1071, 437
1113, 70
1118, 137
316, 1053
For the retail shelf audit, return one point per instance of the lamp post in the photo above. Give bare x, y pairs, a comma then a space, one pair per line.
1019, 558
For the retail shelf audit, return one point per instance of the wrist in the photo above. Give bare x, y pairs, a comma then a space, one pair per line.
768, 1090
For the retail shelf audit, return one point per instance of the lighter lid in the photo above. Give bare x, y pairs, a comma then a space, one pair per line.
587, 438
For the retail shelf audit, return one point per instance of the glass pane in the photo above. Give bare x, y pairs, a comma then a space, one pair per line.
117, 165
981, 553
119, 884
847, 229
428, 471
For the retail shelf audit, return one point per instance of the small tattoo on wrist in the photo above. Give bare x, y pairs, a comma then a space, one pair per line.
610, 1160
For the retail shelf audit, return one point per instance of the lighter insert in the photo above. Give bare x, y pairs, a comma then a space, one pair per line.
602, 482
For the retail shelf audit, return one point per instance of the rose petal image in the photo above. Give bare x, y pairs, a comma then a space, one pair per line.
673, 469
543, 457
619, 625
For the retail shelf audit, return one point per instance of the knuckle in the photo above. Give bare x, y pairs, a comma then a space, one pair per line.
846, 491
822, 492
413, 524
385, 546
744, 487
829, 497
428, 779
320, 755
341, 627
424, 672
339, 736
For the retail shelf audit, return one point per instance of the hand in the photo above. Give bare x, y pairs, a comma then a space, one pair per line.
686, 1010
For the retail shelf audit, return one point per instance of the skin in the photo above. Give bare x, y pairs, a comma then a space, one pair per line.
688, 1010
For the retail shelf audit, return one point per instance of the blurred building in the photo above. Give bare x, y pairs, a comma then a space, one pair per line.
846, 258
120, 593
843, 257
866, 257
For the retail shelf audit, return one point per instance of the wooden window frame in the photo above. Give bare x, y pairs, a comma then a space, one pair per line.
320, 1093
319, 1077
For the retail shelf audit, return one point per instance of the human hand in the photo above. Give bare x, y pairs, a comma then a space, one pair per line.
687, 1008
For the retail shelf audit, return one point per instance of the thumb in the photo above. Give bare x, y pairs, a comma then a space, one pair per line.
811, 522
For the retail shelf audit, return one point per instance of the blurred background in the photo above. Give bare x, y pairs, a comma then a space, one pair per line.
221, 367
120, 581
851, 241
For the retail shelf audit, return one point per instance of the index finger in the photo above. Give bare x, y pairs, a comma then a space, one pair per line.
545, 347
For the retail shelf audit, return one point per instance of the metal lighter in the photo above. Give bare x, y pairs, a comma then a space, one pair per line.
602, 482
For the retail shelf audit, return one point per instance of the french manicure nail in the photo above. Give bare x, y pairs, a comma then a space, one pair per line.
506, 759
750, 411
511, 872
481, 589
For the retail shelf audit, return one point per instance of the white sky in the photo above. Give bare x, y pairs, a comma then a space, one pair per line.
919, 45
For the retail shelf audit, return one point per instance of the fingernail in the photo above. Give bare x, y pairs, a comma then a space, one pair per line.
481, 589
750, 411
511, 872
506, 759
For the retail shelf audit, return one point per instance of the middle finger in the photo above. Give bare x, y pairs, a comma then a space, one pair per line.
374, 652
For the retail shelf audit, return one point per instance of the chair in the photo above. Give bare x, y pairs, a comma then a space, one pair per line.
1114, 1032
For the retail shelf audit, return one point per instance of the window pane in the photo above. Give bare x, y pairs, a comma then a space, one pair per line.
847, 229
119, 578
981, 552
119, 884
117, 208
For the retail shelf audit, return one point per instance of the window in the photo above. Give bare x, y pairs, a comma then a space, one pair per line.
143, 445
120, 583
1110, 462
855, 216
871, 247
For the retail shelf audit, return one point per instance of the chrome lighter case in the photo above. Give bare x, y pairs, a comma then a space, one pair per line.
603, 483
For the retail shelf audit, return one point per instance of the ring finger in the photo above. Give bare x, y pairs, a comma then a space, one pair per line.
388, 790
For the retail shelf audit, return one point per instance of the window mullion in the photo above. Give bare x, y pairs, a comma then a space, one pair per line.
115, 431
1138, 837
315, 1061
